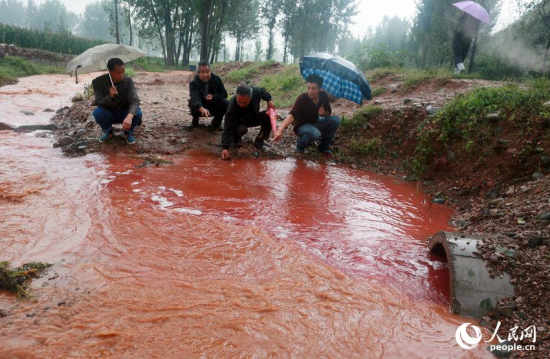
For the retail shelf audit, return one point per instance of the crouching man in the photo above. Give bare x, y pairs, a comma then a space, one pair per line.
117, 102
208, 96
311, 118
244, 112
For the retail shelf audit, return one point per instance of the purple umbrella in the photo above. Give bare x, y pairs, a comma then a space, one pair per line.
475, 10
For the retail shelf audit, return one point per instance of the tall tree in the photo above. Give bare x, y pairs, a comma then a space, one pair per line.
542, 9
205, 21
243, 23
12, 12
95, 23
270, 10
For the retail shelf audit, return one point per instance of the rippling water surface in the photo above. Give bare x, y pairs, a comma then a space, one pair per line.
204, 257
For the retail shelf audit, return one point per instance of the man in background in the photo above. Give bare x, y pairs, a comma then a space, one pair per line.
208, 96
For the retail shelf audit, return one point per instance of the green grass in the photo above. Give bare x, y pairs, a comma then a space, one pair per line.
16, 280
413, 78
129, 71
13, 67
464, 119
151, 64
243, 74
360, 146
359, 118
378, 91
285, 86
380, 73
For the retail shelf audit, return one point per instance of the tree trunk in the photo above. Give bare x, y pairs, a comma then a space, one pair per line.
472, 56
217, 31
271, 27
170, 38
204, 29
130, 26
182, 24
189, 46
188, 30
116, 23
543, 69
157, 22
237, 48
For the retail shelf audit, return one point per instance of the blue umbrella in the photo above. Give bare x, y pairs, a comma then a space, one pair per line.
340, 77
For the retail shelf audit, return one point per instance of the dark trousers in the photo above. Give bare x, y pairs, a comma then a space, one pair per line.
106, 118
324, 129
262, 121
216, 108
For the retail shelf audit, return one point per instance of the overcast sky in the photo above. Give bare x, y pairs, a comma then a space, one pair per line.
370, 13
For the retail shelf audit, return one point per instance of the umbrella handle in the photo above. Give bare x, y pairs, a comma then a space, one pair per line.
110, 78
76, 73
112, 84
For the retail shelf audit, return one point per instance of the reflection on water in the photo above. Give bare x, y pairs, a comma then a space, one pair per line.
253, 258
207, 258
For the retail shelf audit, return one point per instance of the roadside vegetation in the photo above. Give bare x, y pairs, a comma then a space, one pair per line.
13, 67
475, 123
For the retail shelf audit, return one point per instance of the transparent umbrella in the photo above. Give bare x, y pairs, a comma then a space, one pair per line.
95, 59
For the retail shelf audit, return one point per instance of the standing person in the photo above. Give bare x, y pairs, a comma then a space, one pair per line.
311, 118
244, 112
208, 96
117, 102
466, 30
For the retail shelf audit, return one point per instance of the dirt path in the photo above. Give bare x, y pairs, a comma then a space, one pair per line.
166, 124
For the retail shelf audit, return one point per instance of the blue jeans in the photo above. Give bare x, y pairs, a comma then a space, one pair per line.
106, 118
325, 128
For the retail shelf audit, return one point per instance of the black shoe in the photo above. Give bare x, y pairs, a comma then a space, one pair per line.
259, 143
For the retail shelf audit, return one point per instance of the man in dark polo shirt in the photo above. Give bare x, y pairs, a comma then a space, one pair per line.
117, 102
208, 96
244, 112
311, 118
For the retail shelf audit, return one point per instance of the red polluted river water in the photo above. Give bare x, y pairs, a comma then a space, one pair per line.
248, 258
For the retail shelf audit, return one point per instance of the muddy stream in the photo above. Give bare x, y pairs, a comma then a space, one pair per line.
248, 258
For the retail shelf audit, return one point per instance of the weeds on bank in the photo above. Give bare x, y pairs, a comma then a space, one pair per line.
360, 118
16, 280
13, 67
465, 119
285, 86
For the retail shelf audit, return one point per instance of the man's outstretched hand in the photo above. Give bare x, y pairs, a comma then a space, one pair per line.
225, 155
278, 134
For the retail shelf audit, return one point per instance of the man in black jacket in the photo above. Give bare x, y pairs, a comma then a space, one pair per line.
208, 96
244, 112
117, 102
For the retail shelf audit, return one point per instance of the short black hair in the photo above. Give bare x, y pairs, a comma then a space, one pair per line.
315, 79
244, 90
202, 63
115, 61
